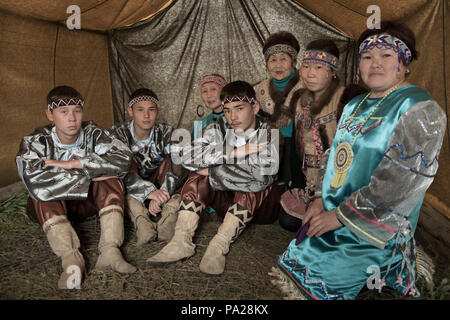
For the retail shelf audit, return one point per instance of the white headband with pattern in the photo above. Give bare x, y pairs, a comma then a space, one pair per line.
142, 98
65, 102
233, 99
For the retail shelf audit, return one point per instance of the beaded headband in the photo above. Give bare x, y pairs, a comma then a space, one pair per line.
388, 42
213, 78
321, 57
233, 99
65, 102
281, 48
142, 98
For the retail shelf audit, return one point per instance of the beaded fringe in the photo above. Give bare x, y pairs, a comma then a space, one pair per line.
285, 284
425, 266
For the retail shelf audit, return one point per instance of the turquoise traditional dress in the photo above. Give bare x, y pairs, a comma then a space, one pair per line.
382, 160
201, 124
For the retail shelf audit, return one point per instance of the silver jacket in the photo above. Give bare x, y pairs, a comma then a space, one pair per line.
99, 152
212, 150
148, 155
409, 165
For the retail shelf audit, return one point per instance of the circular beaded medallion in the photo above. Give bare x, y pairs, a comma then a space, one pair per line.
343, 158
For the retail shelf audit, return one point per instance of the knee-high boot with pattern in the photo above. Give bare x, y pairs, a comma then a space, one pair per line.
181, 245
235, 221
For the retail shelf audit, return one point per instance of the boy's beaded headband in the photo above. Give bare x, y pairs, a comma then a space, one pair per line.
142, 98
65, 102
321, 57
281, 48
213, 78
233, 99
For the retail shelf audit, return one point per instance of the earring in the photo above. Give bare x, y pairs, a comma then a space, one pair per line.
398, 76
203, 111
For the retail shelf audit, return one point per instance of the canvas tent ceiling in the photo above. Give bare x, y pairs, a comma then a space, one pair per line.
37, 52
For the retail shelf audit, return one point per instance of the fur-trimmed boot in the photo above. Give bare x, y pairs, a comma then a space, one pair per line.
169, 215
111, 238
64, 243
235, 221
181, 245
145, 228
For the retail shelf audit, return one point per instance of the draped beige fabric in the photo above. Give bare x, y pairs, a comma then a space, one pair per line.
38, 52
220, 36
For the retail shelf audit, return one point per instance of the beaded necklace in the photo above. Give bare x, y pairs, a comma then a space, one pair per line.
343, 158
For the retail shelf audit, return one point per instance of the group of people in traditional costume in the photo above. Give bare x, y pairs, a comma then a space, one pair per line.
352, 165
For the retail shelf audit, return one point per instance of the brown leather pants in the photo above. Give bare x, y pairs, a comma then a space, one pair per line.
101, 194
264, 205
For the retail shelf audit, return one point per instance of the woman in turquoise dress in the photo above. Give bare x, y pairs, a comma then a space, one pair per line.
383, 159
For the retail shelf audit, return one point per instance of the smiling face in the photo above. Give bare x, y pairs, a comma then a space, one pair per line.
144, 114
211, 95
67, 121
378, 69
279, 65
241, 115
316, 77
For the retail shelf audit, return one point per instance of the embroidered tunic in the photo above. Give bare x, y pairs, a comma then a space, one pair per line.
99, 152
395, 160
148, 154
308, 138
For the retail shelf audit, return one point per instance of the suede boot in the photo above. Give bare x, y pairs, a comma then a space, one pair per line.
145, 228
111, 238
64, 243
235, 221
181, 245
169, 215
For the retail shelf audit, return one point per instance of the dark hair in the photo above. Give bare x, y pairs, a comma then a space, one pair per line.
62, 92
142, 92
324, 45
396, 29
237, 89
282, 37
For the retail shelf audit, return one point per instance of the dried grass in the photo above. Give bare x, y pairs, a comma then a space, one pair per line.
29, 270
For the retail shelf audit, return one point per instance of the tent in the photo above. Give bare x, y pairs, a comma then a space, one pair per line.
167, 44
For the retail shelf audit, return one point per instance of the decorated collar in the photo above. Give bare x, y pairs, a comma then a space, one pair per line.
58, 142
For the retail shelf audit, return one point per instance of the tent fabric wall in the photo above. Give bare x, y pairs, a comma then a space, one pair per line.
97, 15
35, 56
215, 37
26, 77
